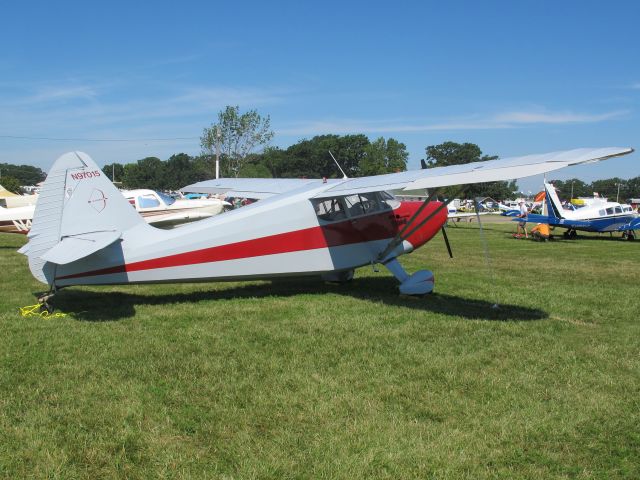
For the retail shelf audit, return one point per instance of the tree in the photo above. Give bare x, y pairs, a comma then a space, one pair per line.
10, 183
572, 186
384, 156
25, 174
238, 135
180, 170
145, 173
310, 157
452, 153
609, 188
633, 188
255, 170
114, 171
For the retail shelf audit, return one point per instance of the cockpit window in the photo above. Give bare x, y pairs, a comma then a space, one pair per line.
389, 200
357, 205
329, 209
166, 198
148, 201
610, 211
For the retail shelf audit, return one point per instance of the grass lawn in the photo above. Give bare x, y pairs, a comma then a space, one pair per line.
298, 379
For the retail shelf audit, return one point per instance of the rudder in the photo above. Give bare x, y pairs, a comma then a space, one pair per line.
77, 201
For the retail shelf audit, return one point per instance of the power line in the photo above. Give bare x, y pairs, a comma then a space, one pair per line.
169, 139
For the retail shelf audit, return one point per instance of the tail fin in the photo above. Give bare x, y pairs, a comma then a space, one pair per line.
554, 206
79, 211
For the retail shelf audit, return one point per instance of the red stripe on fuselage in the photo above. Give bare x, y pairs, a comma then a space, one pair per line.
331, 235
379, 226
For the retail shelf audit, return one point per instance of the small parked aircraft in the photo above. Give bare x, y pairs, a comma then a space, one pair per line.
85, 232
16, 219
601, 216
163, 211
156, 208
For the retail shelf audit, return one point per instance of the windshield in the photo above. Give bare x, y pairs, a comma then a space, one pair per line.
166, 198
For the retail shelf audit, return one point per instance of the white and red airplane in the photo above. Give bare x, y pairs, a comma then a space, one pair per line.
84, 232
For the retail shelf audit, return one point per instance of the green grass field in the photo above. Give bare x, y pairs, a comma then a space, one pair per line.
299, 379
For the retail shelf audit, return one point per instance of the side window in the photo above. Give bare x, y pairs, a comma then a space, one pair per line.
329, 209
602, 213
610, 211
354, 206
148, 201
618, 209
370, 202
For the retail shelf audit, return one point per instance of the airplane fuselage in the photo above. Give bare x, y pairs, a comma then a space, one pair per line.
280, 236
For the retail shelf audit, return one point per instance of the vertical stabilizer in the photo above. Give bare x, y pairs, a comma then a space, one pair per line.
77, 201
554, 205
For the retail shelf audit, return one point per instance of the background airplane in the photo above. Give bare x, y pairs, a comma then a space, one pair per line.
600, 217
84, 232
163, 211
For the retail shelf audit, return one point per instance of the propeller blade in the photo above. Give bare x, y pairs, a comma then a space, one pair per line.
423, 164
446, 242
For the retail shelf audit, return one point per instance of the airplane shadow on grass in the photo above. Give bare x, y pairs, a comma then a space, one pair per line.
96, 306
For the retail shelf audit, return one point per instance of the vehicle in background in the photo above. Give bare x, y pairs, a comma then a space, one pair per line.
164, 211
16, 219
596, 215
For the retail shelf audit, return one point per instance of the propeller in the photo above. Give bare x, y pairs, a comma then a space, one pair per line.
446, 241
423, 164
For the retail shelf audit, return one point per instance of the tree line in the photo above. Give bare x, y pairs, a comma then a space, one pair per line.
241, 141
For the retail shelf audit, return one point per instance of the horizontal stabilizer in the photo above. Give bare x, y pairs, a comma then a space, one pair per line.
70, 249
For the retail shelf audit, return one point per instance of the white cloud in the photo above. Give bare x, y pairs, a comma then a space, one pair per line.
542, 117
62, 93
496, 121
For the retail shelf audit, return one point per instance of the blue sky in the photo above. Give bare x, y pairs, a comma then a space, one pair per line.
513, 77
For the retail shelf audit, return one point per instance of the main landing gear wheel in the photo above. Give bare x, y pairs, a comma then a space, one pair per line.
43, 300
570, 234
345, 276
629, 235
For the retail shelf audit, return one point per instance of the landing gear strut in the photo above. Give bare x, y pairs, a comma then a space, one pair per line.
420, 283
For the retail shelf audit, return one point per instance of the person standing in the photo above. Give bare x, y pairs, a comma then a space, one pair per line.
522, 224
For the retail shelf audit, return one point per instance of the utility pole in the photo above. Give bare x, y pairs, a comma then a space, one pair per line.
217, 152
571, 192
618, 195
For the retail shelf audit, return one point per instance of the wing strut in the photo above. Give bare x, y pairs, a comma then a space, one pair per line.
487, 257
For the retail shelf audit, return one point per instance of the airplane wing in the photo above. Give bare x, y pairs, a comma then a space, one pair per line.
467, 214
475, 172
251, 187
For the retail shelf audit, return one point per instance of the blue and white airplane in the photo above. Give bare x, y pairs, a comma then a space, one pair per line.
598, 216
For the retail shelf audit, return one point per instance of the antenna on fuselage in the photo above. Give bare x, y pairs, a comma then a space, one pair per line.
344, 175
